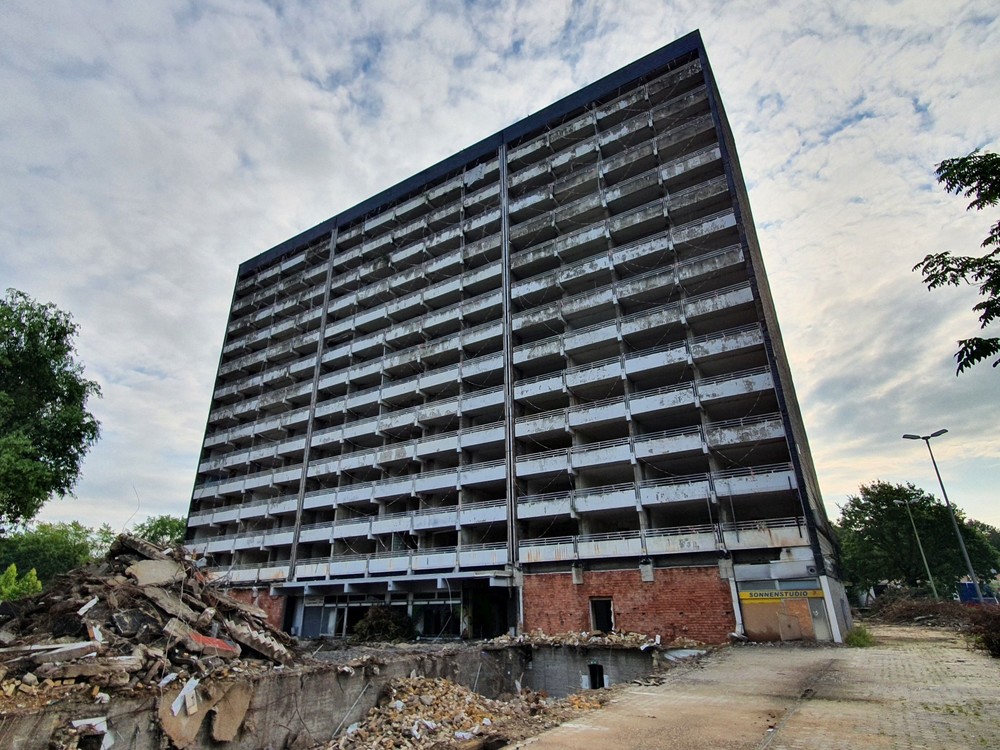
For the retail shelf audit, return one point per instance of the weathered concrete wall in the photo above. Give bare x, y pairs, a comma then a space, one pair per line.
679, 602
561, 671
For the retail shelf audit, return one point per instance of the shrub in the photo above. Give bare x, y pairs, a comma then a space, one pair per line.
984, 628
859, 637
384, 624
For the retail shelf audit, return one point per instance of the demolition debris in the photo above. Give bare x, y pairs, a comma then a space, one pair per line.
140, 620
420, 713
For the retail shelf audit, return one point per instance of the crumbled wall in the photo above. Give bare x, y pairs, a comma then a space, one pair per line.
693, 603
274, 606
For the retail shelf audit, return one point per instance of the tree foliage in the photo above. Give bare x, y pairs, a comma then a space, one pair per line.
45, 428
976, 176
878, 543
12, 587
165, 531
51, 548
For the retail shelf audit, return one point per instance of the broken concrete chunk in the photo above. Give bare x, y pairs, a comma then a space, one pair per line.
170, 603
87, 607
176, 629
91, 668
229, 713
156, 572
67, 652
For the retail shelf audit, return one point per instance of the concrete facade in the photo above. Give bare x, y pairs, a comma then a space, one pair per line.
552, 355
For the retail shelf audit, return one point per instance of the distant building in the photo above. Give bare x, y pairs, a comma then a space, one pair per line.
538, 385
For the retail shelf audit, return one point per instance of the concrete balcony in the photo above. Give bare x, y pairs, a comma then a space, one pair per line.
670, 442
315, 532
774, 532
735, 384
237, 574
248, 482
286, 374
274, 452
685, 540
760, 479
690, 488
445, 558
483, 555
760, 429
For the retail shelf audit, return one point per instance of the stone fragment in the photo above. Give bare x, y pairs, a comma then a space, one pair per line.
156, 572
29, 679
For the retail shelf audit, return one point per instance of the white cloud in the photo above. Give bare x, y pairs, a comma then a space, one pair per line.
148, 149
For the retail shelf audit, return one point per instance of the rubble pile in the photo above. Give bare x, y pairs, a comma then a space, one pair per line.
143, 618
423, 713
593, 638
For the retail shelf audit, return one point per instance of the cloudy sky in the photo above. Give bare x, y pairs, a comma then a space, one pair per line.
147, 148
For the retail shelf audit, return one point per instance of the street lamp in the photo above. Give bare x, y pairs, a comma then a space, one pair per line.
951, 511
920, 547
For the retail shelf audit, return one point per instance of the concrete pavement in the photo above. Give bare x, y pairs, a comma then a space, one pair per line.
917, 688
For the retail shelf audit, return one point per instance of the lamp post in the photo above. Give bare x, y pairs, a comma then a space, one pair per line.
951, 511
919, 546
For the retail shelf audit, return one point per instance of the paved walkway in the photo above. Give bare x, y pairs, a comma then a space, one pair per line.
917, 688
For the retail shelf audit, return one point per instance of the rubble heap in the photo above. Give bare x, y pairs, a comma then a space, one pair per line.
593, 638
423, 713
144, 617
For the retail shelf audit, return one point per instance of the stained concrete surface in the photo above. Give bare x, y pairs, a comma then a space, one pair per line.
917, 688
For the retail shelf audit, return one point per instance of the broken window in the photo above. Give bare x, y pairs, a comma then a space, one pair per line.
602, 616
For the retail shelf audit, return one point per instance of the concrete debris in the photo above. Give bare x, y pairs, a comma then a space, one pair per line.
592, 638
228, 714
156, 572
138, 621
422, 712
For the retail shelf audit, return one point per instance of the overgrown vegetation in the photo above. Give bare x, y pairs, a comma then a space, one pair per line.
12, 587
384, 624
859, 637
878, 542
976, 176
980, 624
45, 426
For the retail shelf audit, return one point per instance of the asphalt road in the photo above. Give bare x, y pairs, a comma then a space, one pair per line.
916, 688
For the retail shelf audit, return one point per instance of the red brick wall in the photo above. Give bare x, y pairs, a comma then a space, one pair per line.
274, 606
680, 602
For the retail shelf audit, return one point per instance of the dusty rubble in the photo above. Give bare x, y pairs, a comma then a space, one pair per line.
142, 620
593, 638
424, 713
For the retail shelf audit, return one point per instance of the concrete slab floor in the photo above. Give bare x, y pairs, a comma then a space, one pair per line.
916, 688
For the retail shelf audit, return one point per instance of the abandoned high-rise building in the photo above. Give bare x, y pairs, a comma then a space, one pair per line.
539, 385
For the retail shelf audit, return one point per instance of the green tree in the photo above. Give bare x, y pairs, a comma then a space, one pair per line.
49, 548
13, 588
45, 428
878, 543
975, 176
165, 530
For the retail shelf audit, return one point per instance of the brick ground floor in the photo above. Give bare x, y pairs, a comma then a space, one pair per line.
694, 602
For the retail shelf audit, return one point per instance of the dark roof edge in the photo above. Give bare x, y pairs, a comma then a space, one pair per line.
643, 66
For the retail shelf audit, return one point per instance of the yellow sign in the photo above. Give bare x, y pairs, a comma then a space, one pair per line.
774, 596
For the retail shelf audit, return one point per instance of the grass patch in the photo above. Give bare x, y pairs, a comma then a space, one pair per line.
859, 637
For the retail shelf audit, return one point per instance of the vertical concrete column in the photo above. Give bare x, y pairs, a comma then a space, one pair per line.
313, 398
508, 361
